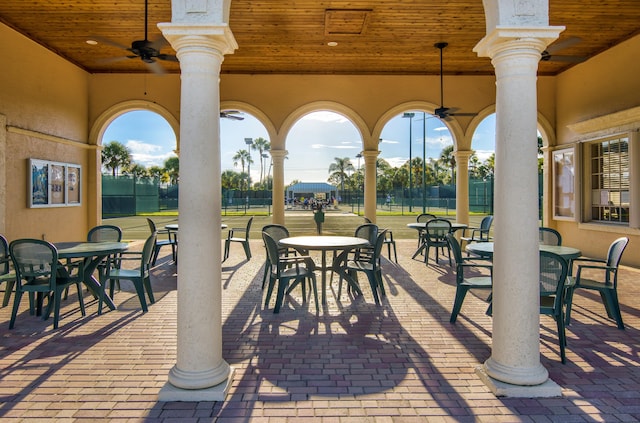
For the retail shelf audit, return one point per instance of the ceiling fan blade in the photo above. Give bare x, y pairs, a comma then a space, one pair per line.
463, 114
108, 42
155, 67
568, 59
167, 57
562, 44
231, 114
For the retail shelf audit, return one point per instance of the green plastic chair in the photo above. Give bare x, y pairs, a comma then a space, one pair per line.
463, 282
435, 236
549, 236
369, 264
277, 232
171, 240
240, 235
607, 285
553, 287
480, 234
283, 269
7, 274
38, 272
140, 276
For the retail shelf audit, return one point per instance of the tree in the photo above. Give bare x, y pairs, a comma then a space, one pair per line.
448, 159
339, 169
137, 170
160, 173
230, 179
172, 167
243, 157
261, 145
115, 155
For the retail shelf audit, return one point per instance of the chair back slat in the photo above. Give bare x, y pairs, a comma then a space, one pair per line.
275, 231
425, 217
553, 274
616, 249
368, 231
147, 251
549, 236
4, 256
34, 259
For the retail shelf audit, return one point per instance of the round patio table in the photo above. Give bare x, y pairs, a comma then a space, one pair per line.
485, 249
92, 253
324, 243
174, 226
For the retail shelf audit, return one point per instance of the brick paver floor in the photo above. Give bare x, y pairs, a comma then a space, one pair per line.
355, 361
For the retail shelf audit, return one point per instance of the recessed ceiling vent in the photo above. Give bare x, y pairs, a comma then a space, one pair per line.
346, 21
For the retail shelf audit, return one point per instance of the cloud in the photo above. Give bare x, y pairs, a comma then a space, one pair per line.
337, 147
383, 141
148, 154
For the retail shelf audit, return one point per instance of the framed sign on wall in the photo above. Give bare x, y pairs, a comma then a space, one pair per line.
54, 184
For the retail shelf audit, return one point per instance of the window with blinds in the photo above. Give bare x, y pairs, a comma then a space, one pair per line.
610, 180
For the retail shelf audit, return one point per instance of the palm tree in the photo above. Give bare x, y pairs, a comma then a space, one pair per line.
261, 145
137, 170
447, 158
230, 179
115, 155
172, 167
339, 169
243, 157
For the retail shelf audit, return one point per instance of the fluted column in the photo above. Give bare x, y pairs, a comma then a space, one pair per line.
277, 156
200, 373
515, 355
462, 185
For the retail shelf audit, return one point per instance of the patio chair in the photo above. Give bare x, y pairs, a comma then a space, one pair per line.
168, 239
283, 269
389, 242
423, 218
606, 285
553, 279
38, 272
240, 235
139, 276
369, 264
464, 282
480, 234
7, 274
435, 236
277, 232
549, 236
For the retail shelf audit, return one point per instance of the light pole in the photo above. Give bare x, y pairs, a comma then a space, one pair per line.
410, 117
249, 142
358, 156
266, 156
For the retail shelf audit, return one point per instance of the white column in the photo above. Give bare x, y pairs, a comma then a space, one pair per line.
515, 355
200, 373
278, 185
370, 181
462, 185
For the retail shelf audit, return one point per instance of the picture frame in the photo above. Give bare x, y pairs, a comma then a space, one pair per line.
54, 184
564, 180
38, 183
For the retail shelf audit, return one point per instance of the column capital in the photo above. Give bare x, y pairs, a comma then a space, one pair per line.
185, 36
502, 39
278, 154
370, 154
462, 155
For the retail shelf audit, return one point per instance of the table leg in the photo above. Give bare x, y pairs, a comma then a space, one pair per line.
324, 276
93, 284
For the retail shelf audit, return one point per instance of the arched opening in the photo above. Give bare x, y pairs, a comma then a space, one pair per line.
139, 164
482, 167
428, 185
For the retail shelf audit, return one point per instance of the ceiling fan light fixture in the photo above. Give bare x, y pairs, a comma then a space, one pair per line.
332, 43
92, 42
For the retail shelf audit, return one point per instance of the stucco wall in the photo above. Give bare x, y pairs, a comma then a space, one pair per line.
605, 84
44, 101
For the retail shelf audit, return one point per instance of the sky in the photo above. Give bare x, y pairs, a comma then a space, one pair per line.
312, 144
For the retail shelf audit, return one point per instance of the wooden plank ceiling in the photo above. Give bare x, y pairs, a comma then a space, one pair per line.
292, 36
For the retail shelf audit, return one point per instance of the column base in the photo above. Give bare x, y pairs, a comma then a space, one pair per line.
547, 389
218, 392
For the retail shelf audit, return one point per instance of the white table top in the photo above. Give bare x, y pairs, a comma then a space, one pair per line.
323, 242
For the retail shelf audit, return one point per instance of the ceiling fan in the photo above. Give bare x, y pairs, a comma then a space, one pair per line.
231, 114
548, 55
445, 112
146, 50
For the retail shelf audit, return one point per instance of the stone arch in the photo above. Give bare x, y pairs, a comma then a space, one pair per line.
454, 127
255, 112
328, 106
109, 115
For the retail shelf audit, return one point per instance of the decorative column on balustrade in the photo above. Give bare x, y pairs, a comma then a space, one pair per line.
200, 373
514, 368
